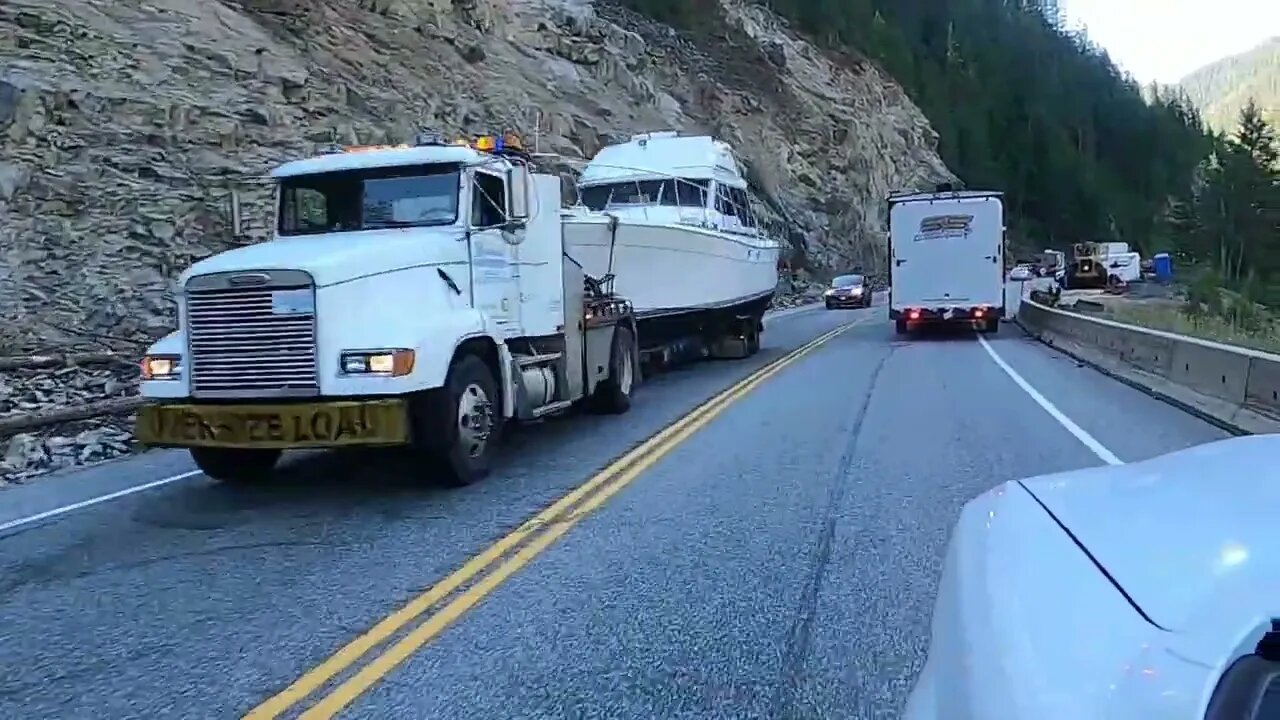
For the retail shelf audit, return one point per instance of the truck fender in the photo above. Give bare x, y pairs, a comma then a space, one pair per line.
637, 377
494, 350
175, 343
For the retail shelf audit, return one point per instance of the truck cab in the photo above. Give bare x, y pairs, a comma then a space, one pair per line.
414, 296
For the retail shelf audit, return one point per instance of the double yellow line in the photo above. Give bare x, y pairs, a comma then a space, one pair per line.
532, 537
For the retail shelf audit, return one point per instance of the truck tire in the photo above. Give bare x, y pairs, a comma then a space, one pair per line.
466, 423
900, 326
235, 465
991, 327
753, 337
612, 396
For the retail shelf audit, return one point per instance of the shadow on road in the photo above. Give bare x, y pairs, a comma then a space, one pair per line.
941, 333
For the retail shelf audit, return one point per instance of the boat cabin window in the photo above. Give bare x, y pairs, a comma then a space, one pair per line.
368, 199
672, 192
488, 201
733, 202
689, 193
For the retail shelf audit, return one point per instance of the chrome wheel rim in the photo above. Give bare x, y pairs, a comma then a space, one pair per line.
475, 420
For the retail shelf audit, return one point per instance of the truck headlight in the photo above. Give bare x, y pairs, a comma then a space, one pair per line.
161, 367
385, 363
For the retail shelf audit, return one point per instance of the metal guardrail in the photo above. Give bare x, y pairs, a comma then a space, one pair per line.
1241, 377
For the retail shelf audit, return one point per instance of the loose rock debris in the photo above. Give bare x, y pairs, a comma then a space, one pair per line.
32, 439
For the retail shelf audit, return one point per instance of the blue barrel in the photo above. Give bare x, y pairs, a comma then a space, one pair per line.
1162, 265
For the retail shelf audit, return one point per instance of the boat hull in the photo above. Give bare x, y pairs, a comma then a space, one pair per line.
668, 269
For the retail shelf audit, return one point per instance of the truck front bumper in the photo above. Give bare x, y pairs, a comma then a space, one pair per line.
339, 423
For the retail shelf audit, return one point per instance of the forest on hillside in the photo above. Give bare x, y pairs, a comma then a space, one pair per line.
1044, 115
1220, 90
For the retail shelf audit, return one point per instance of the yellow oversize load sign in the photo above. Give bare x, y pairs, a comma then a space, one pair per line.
300, 425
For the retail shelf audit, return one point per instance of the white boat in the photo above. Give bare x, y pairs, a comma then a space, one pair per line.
668, 218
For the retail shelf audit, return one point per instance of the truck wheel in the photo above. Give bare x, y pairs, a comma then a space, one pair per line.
235, 465
612, 395
992, 326
753, 338
468, 424
900, 326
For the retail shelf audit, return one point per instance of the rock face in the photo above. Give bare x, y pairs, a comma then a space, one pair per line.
134, 135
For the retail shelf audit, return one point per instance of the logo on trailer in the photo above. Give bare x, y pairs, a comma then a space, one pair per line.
936, 227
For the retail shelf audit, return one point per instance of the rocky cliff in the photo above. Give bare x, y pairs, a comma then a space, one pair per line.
134, 135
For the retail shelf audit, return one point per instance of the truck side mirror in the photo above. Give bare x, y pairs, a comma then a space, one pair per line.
518, 191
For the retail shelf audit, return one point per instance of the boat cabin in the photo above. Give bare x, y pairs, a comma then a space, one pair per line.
665, 177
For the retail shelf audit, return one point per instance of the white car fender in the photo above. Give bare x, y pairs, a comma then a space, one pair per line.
1006, 641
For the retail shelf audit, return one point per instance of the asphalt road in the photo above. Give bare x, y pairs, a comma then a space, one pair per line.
778, 563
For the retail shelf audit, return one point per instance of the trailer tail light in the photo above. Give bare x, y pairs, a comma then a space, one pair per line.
979, 312
913, 315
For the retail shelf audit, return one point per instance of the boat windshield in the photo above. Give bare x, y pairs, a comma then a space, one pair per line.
369, 199
672, 192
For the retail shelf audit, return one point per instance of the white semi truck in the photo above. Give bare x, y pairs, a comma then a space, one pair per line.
946, 258
414, 296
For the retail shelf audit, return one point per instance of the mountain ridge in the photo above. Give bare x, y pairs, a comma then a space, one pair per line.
1222, 88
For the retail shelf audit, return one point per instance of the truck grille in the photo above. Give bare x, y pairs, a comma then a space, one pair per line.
252, 341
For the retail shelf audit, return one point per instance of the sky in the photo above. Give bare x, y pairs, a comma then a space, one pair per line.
1164, 40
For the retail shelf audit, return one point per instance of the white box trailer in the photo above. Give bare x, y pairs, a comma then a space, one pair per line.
946, 258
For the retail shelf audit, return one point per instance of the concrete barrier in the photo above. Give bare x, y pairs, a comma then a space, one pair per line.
1016, 290
1236, 388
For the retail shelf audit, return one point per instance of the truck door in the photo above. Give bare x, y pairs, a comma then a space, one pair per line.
494, 253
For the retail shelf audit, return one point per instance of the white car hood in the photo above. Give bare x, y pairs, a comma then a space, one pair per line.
333, 258
1189, 535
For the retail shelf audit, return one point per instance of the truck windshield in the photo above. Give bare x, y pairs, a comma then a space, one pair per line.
369, 199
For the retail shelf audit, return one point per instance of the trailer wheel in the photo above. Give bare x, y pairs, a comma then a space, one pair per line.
612, 396
466, 422
235, 465
900, 326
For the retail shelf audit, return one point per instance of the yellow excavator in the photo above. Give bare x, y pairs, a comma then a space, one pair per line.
1088, 267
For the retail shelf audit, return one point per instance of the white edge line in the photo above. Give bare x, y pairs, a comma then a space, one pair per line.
4, 527
1089, 441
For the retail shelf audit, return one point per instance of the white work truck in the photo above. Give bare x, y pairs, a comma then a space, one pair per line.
414, 296
946, 258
